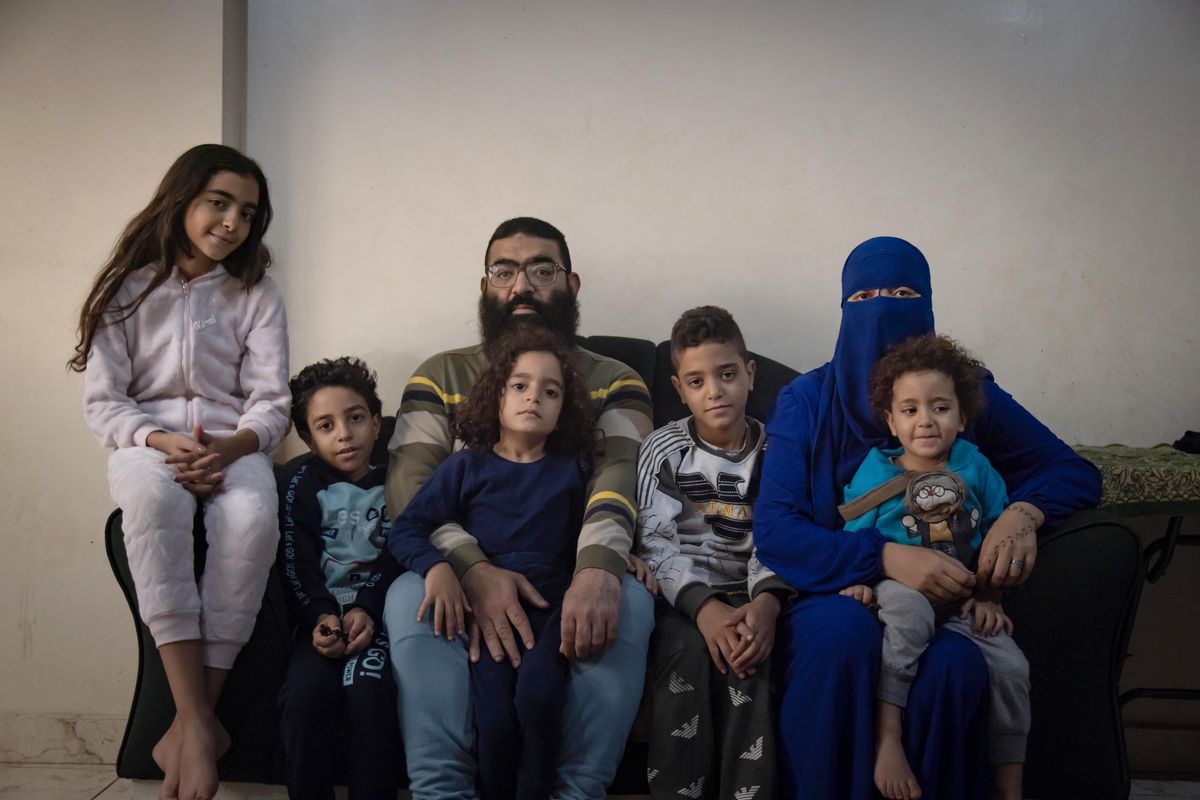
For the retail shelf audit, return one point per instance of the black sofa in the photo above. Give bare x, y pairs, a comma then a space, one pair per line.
1073, 620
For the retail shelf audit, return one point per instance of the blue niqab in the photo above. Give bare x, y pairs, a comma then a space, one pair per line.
847, 424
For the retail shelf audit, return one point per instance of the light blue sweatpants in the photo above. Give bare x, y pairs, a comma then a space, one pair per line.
434, 700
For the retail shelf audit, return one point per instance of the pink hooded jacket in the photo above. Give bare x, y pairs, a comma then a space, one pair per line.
201, 351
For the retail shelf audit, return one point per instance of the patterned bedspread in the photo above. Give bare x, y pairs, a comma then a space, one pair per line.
1143, 481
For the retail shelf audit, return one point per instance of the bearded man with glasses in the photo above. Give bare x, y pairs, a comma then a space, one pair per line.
607, 616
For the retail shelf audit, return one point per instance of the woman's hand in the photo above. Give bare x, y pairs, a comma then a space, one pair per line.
1009, 550
936, 575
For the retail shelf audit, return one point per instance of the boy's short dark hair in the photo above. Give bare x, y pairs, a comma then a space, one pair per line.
928, 352
705, 324
346, 371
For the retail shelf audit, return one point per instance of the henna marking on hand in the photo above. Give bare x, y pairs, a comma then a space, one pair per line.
1023, 531
1021, 534
1022, 510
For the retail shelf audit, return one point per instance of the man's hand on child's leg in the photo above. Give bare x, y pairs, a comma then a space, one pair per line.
495, 596
590, 612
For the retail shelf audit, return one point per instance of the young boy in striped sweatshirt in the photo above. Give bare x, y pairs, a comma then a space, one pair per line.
711, 727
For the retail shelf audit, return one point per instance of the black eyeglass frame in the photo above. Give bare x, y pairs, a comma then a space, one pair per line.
489, 272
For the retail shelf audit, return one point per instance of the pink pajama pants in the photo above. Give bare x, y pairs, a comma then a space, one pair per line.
242, 527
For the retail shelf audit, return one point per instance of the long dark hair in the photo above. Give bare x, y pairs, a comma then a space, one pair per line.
156, 235
479, 422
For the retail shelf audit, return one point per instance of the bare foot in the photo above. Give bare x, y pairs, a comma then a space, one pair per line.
204, 741
893, 777
166, 755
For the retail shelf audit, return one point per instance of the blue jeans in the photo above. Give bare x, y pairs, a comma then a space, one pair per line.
434, 700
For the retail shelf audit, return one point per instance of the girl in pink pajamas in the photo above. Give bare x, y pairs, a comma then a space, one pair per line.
183, 345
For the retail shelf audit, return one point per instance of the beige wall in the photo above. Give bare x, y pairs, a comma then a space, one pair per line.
1042, 154
98, 99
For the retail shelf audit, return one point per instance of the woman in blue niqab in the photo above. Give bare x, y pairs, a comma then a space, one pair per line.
868, 328
820, 431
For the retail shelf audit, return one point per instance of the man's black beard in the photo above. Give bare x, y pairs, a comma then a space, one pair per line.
560, 314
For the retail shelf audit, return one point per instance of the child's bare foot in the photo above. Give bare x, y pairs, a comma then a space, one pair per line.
166, 755
893, 777
204, 741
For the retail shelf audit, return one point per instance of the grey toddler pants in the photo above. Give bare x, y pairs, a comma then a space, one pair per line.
908, 625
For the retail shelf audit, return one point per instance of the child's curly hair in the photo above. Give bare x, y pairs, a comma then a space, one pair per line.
346, 371
479, 421
928, 352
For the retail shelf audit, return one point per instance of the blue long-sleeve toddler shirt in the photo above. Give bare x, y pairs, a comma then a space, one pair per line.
796, 516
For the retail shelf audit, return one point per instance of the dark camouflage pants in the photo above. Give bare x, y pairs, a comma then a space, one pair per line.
711, 735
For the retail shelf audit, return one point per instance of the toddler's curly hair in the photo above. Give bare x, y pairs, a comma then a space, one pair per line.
478, 424
922, 353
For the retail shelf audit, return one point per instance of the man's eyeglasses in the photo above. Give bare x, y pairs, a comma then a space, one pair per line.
538, 273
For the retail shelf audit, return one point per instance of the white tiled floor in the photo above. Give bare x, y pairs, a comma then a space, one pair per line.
1145, 790
52, 782
89, 782
97, 782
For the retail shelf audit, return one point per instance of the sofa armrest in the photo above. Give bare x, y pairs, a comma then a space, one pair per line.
1073, 620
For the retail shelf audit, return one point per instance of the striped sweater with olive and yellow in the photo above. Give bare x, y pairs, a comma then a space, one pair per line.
423, 440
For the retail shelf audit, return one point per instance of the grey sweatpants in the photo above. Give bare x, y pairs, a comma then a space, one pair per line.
908, 625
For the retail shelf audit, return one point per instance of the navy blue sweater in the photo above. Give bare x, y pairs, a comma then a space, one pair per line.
331, 543
522, 514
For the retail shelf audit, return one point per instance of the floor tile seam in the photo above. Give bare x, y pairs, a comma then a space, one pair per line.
107, 786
